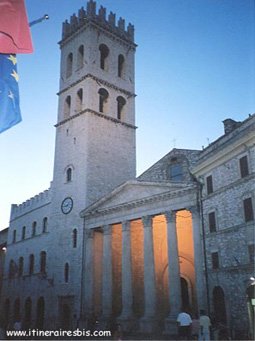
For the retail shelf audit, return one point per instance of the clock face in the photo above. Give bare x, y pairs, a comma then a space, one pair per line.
67, 205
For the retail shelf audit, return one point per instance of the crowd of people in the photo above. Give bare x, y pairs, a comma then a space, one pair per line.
200, 328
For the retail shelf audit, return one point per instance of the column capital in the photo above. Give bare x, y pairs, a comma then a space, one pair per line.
194, 210
170, 216
125, 226
89, 233
147, 221
107, 229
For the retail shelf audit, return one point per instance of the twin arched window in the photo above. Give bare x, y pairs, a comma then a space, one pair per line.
69, 61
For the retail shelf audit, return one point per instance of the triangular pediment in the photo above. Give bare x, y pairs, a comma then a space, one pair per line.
132, 191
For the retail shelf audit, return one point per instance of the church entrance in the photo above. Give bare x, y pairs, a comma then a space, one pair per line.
185, 293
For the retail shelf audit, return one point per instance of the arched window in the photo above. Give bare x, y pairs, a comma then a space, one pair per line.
12, 268
75, 238
80, 57
69, 174
43, 262
103, 95
23, 232
79, 98
28, 313
21, 266
104, 52
67, 107
120, 107
6, 312
45, 224
66, 273
34, 229
69, 65
121, 61
16, 310
31, 264
40, 313
14, 236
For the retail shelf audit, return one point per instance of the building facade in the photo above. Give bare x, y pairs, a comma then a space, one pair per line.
101, 244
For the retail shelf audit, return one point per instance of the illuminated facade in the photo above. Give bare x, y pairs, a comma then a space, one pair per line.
101, 244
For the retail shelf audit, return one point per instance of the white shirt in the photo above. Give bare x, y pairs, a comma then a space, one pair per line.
184, 319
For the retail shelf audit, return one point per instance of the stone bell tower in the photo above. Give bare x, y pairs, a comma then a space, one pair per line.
95, 131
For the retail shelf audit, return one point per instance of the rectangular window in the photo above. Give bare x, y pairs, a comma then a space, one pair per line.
251, 250
243, 163
212, 222
248, 210
176, 172
209, 184
215, 260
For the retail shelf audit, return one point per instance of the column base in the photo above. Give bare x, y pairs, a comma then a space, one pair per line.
127, 322
148, 325
171, 326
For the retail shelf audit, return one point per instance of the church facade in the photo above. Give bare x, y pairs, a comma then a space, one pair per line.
103, 244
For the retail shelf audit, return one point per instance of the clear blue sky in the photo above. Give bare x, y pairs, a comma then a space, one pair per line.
194, 68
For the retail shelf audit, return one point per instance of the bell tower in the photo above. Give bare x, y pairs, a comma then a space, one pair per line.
95, 130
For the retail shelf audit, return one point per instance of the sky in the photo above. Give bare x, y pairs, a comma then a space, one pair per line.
195, 67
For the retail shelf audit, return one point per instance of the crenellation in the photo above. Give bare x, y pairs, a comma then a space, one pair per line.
35, 202
91, 15
112, 19
121, 24
102, 13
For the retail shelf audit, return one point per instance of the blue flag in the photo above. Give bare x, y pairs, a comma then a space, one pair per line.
9, 92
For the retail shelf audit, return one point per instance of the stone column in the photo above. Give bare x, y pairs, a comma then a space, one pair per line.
107, 273
174, 284
198, 259
88, 273
148, 322
126, 317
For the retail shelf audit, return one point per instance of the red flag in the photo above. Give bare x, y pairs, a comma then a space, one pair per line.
14, 29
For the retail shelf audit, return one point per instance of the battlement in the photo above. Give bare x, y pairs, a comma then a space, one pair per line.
90, 15
35, 202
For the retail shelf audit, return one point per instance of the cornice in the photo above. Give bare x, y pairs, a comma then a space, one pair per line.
87, 110
98, 81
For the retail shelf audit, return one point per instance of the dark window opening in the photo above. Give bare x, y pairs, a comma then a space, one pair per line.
120, 65
14, 236
69, 65
209, 184
66, 273
120, 106
251, 250
212, 222
34, 229
16, 310
12, 268
75, 238
79, 98
80, 57
215, 260
244, 170
103, 95
248, 210
45, 224
67, 107
43, 262
40, 313
69, 175
21, 266
31, 264
23, 232
104, 52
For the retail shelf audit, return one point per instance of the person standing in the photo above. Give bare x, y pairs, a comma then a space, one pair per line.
184, 325
204, 326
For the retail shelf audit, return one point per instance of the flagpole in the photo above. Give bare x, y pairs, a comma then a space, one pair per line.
45, 17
